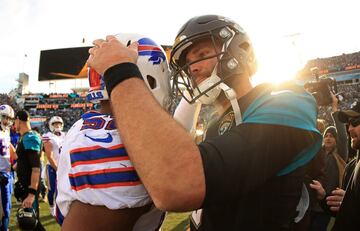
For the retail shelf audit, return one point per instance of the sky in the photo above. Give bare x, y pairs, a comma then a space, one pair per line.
285, 33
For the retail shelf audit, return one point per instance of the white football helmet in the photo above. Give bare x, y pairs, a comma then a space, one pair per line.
56, 119
152, 64
6, 112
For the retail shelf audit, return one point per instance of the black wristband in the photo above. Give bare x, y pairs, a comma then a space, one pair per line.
32, 191
118, 73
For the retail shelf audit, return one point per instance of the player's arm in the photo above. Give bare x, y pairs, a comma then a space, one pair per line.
89, 217
13, 154
29, 200
35, 176
34, 161
48, 148
342, 141
153, 138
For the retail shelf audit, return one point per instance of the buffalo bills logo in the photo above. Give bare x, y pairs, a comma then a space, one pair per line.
147, 47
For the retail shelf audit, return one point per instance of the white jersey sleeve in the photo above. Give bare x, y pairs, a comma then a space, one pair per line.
94, 167
56, 142
4, 151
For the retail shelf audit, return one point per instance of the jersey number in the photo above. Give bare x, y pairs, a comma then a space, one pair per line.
98, 123
3, 148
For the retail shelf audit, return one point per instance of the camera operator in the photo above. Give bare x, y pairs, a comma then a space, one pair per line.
322, 88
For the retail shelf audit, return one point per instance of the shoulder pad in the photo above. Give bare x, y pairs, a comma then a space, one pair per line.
32, 141
89, 114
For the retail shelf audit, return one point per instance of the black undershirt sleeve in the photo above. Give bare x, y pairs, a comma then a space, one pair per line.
245, 157
33, 158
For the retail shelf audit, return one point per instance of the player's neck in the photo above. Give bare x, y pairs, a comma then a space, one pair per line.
24, 129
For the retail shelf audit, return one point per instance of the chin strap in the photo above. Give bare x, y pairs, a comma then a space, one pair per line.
231, 96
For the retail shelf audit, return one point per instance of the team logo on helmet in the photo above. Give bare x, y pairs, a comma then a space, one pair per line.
147, 47
26, 218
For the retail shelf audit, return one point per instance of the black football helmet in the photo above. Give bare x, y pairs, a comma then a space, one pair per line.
235, 56
26, 218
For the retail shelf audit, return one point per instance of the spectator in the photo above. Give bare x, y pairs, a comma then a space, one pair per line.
335, 148
348, 205
315, 171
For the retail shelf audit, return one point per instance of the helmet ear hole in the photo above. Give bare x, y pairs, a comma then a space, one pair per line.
244, 46
152, 81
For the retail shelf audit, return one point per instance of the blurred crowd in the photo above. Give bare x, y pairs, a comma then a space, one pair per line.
68, 106
6, 99
342, 62
348, 93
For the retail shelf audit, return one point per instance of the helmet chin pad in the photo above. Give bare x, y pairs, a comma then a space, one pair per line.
58, 129
208, 90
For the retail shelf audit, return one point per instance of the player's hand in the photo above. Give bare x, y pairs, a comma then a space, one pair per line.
335, 200
109, 52
320, 191
29, 200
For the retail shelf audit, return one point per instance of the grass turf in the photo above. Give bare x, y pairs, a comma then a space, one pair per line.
173, 221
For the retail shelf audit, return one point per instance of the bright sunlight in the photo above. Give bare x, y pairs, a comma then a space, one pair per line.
278, 60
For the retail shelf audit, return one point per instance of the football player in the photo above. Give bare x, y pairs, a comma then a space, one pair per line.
212, 60
52, 143
98, 187
6, 151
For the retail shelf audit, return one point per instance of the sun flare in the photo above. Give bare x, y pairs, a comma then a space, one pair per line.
278, 61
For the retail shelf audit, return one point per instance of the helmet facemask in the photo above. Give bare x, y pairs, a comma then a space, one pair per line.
6, 117
6, 122
58, 129
53, 120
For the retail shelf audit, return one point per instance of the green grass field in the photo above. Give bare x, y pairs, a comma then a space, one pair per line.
173, 221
